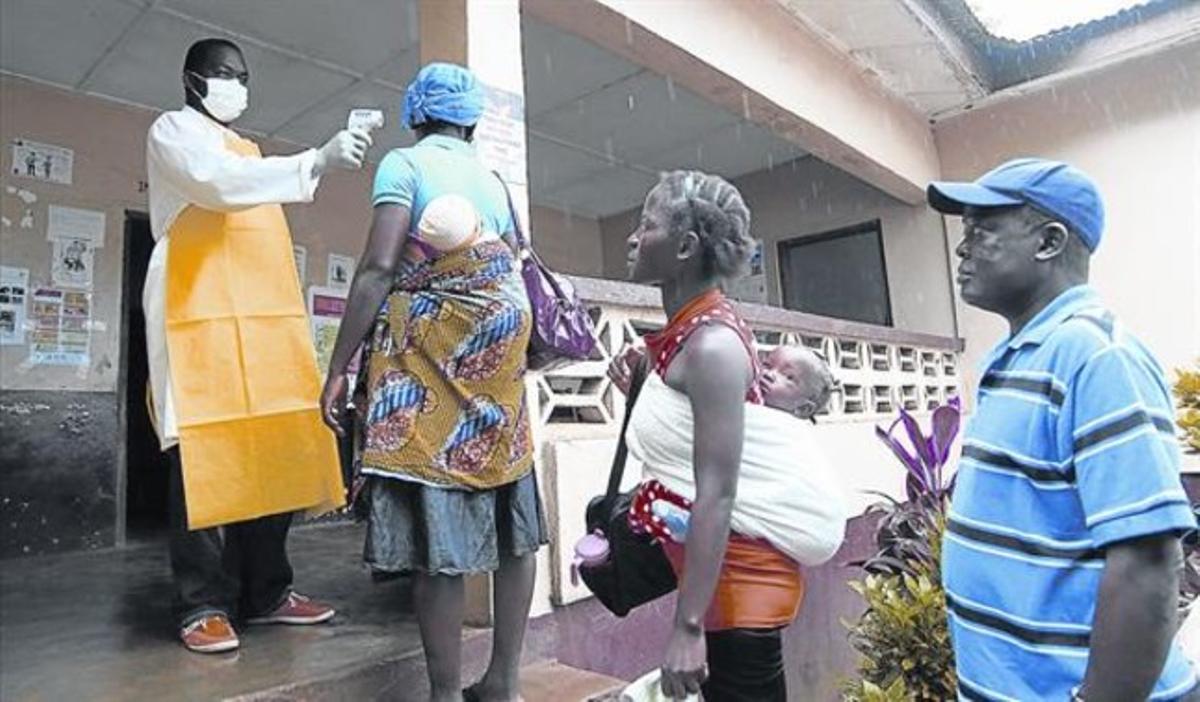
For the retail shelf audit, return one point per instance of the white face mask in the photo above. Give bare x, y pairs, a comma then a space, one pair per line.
227, 98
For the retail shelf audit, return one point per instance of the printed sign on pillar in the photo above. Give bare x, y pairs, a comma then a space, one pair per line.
500, 135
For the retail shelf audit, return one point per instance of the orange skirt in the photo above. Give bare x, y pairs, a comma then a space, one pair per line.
759, 587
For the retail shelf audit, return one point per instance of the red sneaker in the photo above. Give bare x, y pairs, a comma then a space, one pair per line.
211, 634
296, 609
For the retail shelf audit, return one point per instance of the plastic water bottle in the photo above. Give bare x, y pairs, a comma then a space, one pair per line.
674, 517
590, 551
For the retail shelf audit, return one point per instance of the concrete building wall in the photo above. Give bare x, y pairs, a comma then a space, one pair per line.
109, 163
63, 425
1135, 129
614, 233
110, 168
811, 197
808, 197
568, 243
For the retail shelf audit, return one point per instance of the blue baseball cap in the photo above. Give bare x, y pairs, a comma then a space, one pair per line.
1053, 187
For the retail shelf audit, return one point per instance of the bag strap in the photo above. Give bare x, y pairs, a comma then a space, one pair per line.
512, 212
638, 378
524, 245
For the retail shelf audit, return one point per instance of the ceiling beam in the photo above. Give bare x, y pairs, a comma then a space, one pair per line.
792, 84
638, 71
369, 79
289, 52
81, 84
357, 77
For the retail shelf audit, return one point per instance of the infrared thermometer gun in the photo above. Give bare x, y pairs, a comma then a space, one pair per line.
366, 120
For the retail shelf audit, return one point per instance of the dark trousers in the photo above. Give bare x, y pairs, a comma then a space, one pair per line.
239, 570
745, 665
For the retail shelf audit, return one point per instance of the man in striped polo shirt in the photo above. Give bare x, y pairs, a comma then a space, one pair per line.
1061, 558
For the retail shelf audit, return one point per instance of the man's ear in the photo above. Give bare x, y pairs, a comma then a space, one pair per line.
689, 246
1055, 239
195, 84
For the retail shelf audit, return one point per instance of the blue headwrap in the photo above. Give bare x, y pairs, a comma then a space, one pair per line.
445, 92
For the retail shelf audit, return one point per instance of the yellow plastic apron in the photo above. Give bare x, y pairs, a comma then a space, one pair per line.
243, 370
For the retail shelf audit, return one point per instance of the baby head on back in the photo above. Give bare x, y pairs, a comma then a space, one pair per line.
796, 380
450, 222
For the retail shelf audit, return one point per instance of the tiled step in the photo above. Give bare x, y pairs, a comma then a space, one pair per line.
555, 682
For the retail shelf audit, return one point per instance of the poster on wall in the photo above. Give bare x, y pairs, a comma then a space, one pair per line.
14, 291
61, 327
752, 288
500, 135
300, 253
76, 223
46, 162
339, 272
326, 306
72, 263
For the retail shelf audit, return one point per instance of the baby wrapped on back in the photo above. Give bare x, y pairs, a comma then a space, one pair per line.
786, 490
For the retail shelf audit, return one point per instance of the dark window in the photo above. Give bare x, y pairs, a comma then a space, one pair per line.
840, 274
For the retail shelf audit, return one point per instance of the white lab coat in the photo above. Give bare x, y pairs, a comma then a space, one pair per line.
187, 163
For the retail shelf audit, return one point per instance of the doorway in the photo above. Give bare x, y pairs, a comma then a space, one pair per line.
145, 465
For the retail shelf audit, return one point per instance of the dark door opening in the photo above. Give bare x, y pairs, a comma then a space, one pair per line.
145, 465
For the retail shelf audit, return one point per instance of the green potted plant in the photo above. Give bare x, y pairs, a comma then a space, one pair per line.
902, 636
1187, 391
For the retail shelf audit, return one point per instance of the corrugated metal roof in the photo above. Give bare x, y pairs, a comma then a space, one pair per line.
1035, 20
1006, 62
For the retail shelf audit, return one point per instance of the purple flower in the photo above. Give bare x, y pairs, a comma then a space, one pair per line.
924, 456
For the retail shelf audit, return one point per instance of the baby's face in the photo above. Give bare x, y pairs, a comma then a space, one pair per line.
791, 379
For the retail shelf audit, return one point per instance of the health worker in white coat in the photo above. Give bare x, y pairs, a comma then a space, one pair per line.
233, 375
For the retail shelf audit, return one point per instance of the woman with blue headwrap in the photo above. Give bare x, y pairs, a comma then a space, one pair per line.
447, 450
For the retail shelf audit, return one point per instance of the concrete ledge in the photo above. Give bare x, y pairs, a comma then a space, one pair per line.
624, 294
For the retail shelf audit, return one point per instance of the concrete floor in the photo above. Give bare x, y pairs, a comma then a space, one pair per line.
97, 626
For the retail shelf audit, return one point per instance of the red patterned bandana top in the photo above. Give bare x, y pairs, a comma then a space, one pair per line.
711, 307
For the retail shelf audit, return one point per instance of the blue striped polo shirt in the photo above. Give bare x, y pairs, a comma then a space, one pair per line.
1071, 448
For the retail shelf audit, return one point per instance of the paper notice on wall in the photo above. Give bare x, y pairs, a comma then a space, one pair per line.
61, 327
500, 135
76, 223
300, 254
31, 159
752, 288
14, 294
326, 307
339, 272
72, 263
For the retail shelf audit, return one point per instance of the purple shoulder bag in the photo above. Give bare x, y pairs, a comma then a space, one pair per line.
562, 328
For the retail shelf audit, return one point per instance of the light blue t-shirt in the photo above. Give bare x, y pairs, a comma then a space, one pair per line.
441, 165
1072, 448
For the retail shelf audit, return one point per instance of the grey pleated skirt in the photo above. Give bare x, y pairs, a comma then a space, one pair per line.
417, 528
